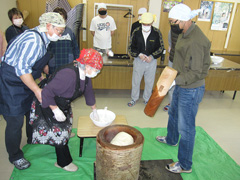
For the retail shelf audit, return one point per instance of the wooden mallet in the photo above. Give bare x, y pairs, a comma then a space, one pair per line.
164, 82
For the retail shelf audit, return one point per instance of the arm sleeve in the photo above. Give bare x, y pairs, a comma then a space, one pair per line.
30, 52
76, 50
156, 54
89, 94
198, 62
8, 35
133, 48
132, 29
113, 26
206, 61
92, 25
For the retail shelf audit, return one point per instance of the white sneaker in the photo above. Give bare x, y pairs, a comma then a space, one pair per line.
71, 167
176, 168
162, 139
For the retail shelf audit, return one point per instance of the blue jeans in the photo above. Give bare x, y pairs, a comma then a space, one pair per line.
182, 113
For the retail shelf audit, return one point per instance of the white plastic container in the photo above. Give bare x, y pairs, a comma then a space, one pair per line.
217, 59
106, 117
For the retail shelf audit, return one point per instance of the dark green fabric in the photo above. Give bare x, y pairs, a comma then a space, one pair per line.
210, 162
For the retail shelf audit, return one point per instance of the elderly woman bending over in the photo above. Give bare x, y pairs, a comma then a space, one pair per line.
52, 120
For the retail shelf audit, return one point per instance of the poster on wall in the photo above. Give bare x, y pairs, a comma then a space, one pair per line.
221, 16
206, 11
168, 4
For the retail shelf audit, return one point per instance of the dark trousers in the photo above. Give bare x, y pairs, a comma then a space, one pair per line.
63, 155
13, 135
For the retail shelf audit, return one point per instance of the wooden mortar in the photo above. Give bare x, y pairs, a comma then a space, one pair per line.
118, 162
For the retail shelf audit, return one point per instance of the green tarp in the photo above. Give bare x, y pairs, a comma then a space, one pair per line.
210, 161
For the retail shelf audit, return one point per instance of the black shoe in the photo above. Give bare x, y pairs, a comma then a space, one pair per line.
29, 141
21, 164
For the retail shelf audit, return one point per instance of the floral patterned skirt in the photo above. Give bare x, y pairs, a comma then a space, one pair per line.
46, 129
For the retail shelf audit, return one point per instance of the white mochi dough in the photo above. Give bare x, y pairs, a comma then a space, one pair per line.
122, 139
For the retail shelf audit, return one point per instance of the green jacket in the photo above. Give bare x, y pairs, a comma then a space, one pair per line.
192, 58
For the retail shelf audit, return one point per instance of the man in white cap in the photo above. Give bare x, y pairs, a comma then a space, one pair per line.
172, 40
146, 45
102, 28
23, 62
137, 23
192, 61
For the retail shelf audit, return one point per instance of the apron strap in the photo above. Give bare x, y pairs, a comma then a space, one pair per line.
14, 38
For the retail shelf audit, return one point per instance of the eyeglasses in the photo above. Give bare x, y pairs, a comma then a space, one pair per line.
58, 31
173, 22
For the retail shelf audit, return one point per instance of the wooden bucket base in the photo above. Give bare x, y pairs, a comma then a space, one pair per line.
118, 162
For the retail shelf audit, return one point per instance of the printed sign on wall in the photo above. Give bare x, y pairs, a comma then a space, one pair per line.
206, 11
221, 16
168, 4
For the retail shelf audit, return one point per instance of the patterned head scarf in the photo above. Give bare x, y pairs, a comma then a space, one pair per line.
182, 12
92, 58
148, 18
51, 17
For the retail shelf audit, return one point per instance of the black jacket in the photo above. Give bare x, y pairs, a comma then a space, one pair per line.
154, 45
134, 26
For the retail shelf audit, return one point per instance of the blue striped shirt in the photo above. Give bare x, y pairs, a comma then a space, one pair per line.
25, 51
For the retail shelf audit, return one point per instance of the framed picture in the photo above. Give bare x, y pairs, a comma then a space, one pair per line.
221, 16
168, 4
206, 11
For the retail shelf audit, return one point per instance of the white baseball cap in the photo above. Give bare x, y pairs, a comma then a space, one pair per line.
102, 6
182, 12
142, 10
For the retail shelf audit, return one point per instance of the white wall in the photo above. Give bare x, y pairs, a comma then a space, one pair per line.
5, 6
154, 8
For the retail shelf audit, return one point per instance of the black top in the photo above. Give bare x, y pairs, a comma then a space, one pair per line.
174, 38
13, 31
154, 44
134, 26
